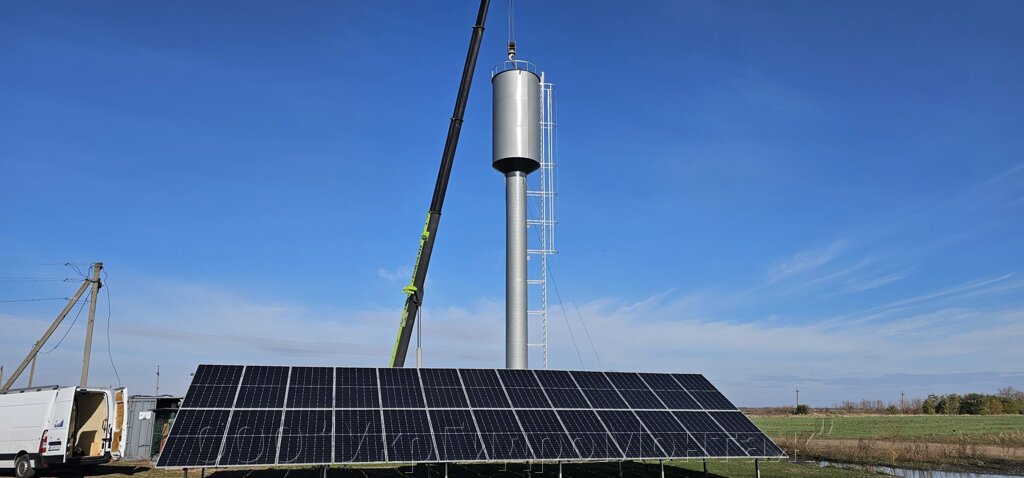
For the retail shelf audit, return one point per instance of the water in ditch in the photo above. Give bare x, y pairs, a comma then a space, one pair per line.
908, 473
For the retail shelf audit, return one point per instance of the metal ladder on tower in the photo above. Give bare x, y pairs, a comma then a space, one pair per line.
543, 201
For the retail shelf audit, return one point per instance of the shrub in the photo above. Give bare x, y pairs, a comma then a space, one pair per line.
930, 405
802, 409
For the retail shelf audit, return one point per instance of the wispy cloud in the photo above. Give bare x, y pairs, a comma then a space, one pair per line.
824, 278
860, 285
806, 261
397, 274
956, 340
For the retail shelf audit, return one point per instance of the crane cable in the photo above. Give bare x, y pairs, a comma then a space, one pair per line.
511, 30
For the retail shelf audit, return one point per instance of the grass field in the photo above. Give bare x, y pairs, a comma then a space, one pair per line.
691, 469
1004, 430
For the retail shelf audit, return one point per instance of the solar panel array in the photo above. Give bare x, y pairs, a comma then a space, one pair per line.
236, 415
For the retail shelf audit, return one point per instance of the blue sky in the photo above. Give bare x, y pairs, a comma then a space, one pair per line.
799, 194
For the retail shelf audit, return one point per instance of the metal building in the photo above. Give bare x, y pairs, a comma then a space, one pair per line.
149, 421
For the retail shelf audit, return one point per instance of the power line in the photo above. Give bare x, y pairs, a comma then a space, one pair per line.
86, 301
109, 354
61, 264
33, 300
35, 279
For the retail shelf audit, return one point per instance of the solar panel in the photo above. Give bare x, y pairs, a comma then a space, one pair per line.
237, 415
484, 389
630, 434
311, 387
456, 436
589, 436
634, 390
746, 434
523, 389
546, 435
598, 390
443, 388
670, 435
306, 437
262, 387
409, 438
358, 436
400, 388
561, 389
197, 438
502, 435
711, 437
251, 437
669, 391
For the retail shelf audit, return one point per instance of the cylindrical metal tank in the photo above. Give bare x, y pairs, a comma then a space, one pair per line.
516, 145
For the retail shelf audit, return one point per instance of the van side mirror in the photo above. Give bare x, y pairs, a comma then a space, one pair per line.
106, 424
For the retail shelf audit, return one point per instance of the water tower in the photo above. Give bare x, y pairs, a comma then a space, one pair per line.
516, 153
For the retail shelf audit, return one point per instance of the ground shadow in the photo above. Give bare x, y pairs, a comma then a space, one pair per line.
518, 470
96, 470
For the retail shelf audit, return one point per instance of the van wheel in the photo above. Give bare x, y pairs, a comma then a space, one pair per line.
23, 467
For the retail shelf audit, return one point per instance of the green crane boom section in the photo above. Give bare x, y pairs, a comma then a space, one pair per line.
414, 291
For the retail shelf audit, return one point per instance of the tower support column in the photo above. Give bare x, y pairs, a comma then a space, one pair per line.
516, 332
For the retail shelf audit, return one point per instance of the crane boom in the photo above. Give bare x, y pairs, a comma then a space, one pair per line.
414, 291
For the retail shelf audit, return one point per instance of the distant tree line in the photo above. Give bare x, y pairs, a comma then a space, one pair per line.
1008, 401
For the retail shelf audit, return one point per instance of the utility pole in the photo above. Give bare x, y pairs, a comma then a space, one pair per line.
96, 268
797, 398
158, 380
32, 371
903, 408
46, 335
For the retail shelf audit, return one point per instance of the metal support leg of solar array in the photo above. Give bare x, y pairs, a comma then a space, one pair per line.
542, 207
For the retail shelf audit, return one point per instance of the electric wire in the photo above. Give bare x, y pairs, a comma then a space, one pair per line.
61, 264
86, 301
32, 300
36, 279
109, 353
76, 269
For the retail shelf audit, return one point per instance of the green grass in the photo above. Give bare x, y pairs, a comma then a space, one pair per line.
989, 430
683, 469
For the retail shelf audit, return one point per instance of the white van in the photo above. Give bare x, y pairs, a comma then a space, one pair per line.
56, 427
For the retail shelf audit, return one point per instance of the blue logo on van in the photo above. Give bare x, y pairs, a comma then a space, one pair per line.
59, 424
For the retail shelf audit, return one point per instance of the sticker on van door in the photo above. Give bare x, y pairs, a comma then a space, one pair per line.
59, 424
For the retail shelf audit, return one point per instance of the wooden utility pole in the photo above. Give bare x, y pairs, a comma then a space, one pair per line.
32, 371
797, 398
157, 380
96, 268
53, 327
